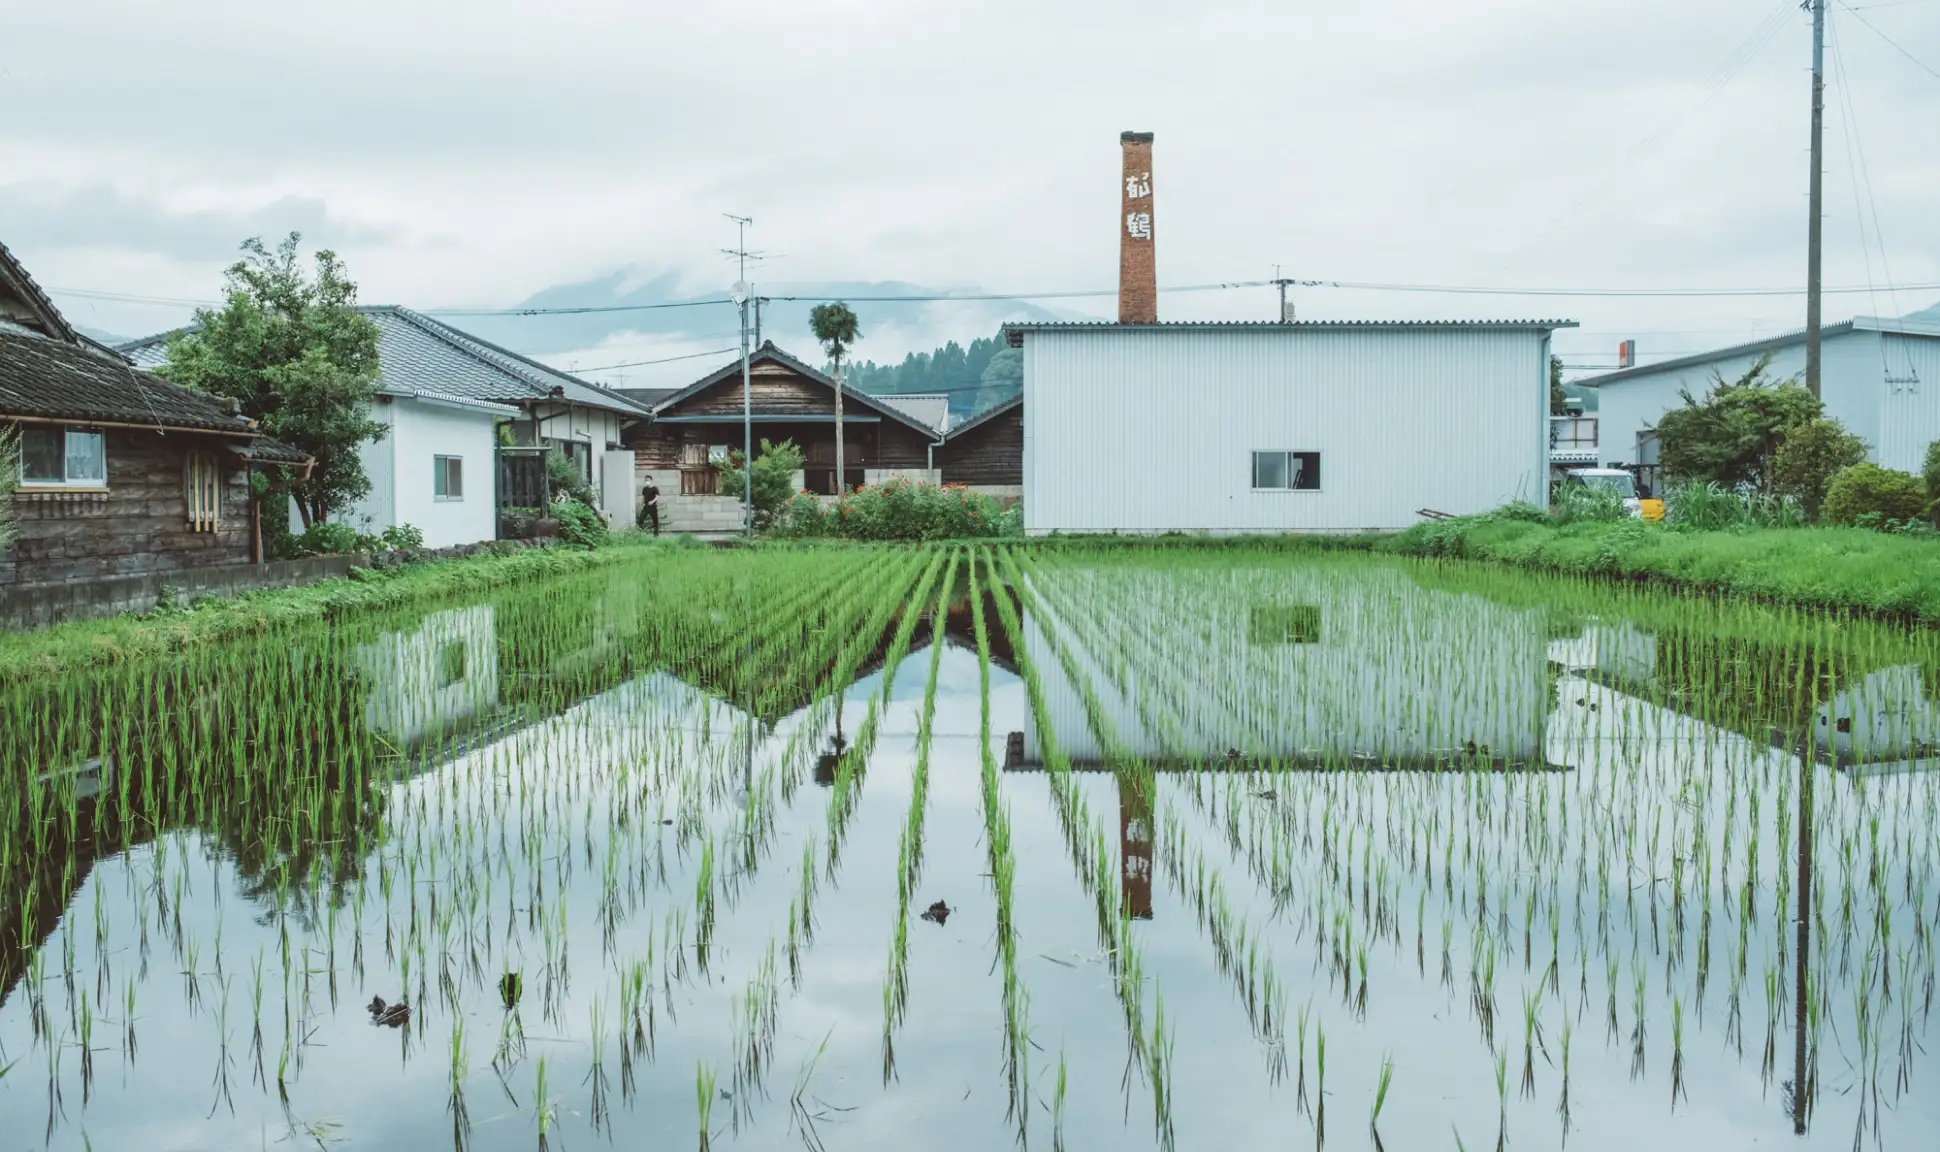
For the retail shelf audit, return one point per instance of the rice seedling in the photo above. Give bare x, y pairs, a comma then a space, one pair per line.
581, 794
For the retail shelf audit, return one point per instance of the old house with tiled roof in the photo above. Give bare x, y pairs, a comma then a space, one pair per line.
444, 465
788, 400
120, 472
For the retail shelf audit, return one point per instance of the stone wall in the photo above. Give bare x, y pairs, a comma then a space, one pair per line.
138, 524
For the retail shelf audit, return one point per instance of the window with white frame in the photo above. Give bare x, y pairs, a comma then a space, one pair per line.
448, 477
54, 456
1286, 471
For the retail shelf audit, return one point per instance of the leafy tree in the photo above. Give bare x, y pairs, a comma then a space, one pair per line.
1809, 456
774, 478
1869, 495
954, 370
835, 326
1558, 402
1003, 378
299, 358
1730, 436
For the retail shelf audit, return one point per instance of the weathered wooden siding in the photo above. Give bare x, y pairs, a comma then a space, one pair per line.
139, 525
900, 447
990, 453
772, 388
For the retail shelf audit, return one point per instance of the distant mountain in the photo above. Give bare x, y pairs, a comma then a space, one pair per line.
102, 336
1925, 315
659, 307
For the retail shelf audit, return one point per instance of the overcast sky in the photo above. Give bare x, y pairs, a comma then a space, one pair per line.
471, 155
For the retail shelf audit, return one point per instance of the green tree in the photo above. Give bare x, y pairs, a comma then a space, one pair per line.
836, 327
1730, 436
1003, 378
299, 358
1809, 456
774, 478
1868, 495
1557, 400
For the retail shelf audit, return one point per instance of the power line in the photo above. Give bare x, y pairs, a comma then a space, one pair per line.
662, 360
1917, 62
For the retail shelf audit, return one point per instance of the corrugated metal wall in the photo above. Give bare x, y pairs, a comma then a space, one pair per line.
1153, 430
1850, 384
1910, 400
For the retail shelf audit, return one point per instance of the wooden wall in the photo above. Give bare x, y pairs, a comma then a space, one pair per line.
139, 525
991, 453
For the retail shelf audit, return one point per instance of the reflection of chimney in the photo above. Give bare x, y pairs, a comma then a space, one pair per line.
1627, 354
1134, 851
1138, 276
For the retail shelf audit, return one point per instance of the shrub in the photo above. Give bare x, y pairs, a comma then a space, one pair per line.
1731, 435
901, 510
774, 478
1706, 507
329, 538
1575, 502
401, 536
579, 524
564, 480
1867, 495
1931, 475
1809, 455
516, 523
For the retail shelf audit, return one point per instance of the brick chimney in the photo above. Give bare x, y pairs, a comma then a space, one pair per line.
1138, 276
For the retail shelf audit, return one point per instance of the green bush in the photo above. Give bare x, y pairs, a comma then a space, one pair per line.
401, 536
1707, 507
1931, 475
330, 538
516, 523
900, 510
1809, 455
564, 480
774, 479
1575, 502
1867, 495
579, 524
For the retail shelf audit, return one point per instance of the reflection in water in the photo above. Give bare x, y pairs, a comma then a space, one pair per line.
430, 681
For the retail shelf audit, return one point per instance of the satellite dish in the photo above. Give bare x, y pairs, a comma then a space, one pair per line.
739, 293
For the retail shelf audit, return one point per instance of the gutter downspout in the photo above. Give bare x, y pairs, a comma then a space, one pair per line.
930, 457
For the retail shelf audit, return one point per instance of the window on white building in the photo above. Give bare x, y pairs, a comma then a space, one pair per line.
55, 457
448, 477
1286, 471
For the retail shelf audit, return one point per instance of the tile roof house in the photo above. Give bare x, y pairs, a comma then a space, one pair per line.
790, 401
120, 472
443, 393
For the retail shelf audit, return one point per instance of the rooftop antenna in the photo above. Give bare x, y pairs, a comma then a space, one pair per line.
1281, 282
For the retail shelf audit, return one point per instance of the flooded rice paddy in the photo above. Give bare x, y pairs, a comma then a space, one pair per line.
972, 848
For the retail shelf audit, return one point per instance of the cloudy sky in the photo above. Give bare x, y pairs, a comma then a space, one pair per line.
472, 156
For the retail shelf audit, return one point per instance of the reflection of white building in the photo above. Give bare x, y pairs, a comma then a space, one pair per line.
1884, 721
434, 678
1616, 650
1322, 664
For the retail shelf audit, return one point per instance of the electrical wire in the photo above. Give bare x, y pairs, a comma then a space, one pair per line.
1917, 62
644, 363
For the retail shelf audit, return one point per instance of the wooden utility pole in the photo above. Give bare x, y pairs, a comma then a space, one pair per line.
1815, 231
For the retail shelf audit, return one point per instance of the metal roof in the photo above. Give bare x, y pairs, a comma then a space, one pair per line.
418, 355
769, 352
931, 408
1278, 326
987, 415
1907, 327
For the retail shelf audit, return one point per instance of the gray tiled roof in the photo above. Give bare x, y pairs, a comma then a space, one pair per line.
57, 380
771, 354
416, 353
932, 409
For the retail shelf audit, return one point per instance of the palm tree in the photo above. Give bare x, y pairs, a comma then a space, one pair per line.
835, 326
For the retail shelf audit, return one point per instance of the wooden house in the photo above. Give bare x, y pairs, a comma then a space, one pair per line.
701, 424
986, 452
120, 472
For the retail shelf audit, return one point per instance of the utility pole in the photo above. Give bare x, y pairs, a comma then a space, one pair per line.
741, 295
1281, 282
840, 474
1815, 231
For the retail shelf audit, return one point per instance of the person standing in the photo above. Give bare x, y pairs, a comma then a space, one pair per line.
650, 506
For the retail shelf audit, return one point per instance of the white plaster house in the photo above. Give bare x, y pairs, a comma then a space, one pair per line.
443, 395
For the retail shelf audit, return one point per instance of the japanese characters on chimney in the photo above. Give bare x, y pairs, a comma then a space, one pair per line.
1138, 277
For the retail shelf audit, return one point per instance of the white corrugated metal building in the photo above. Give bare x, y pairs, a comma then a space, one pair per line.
1313, 426
1880, 378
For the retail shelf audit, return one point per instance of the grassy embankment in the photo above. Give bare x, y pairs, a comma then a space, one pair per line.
1849, 569
89, 643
